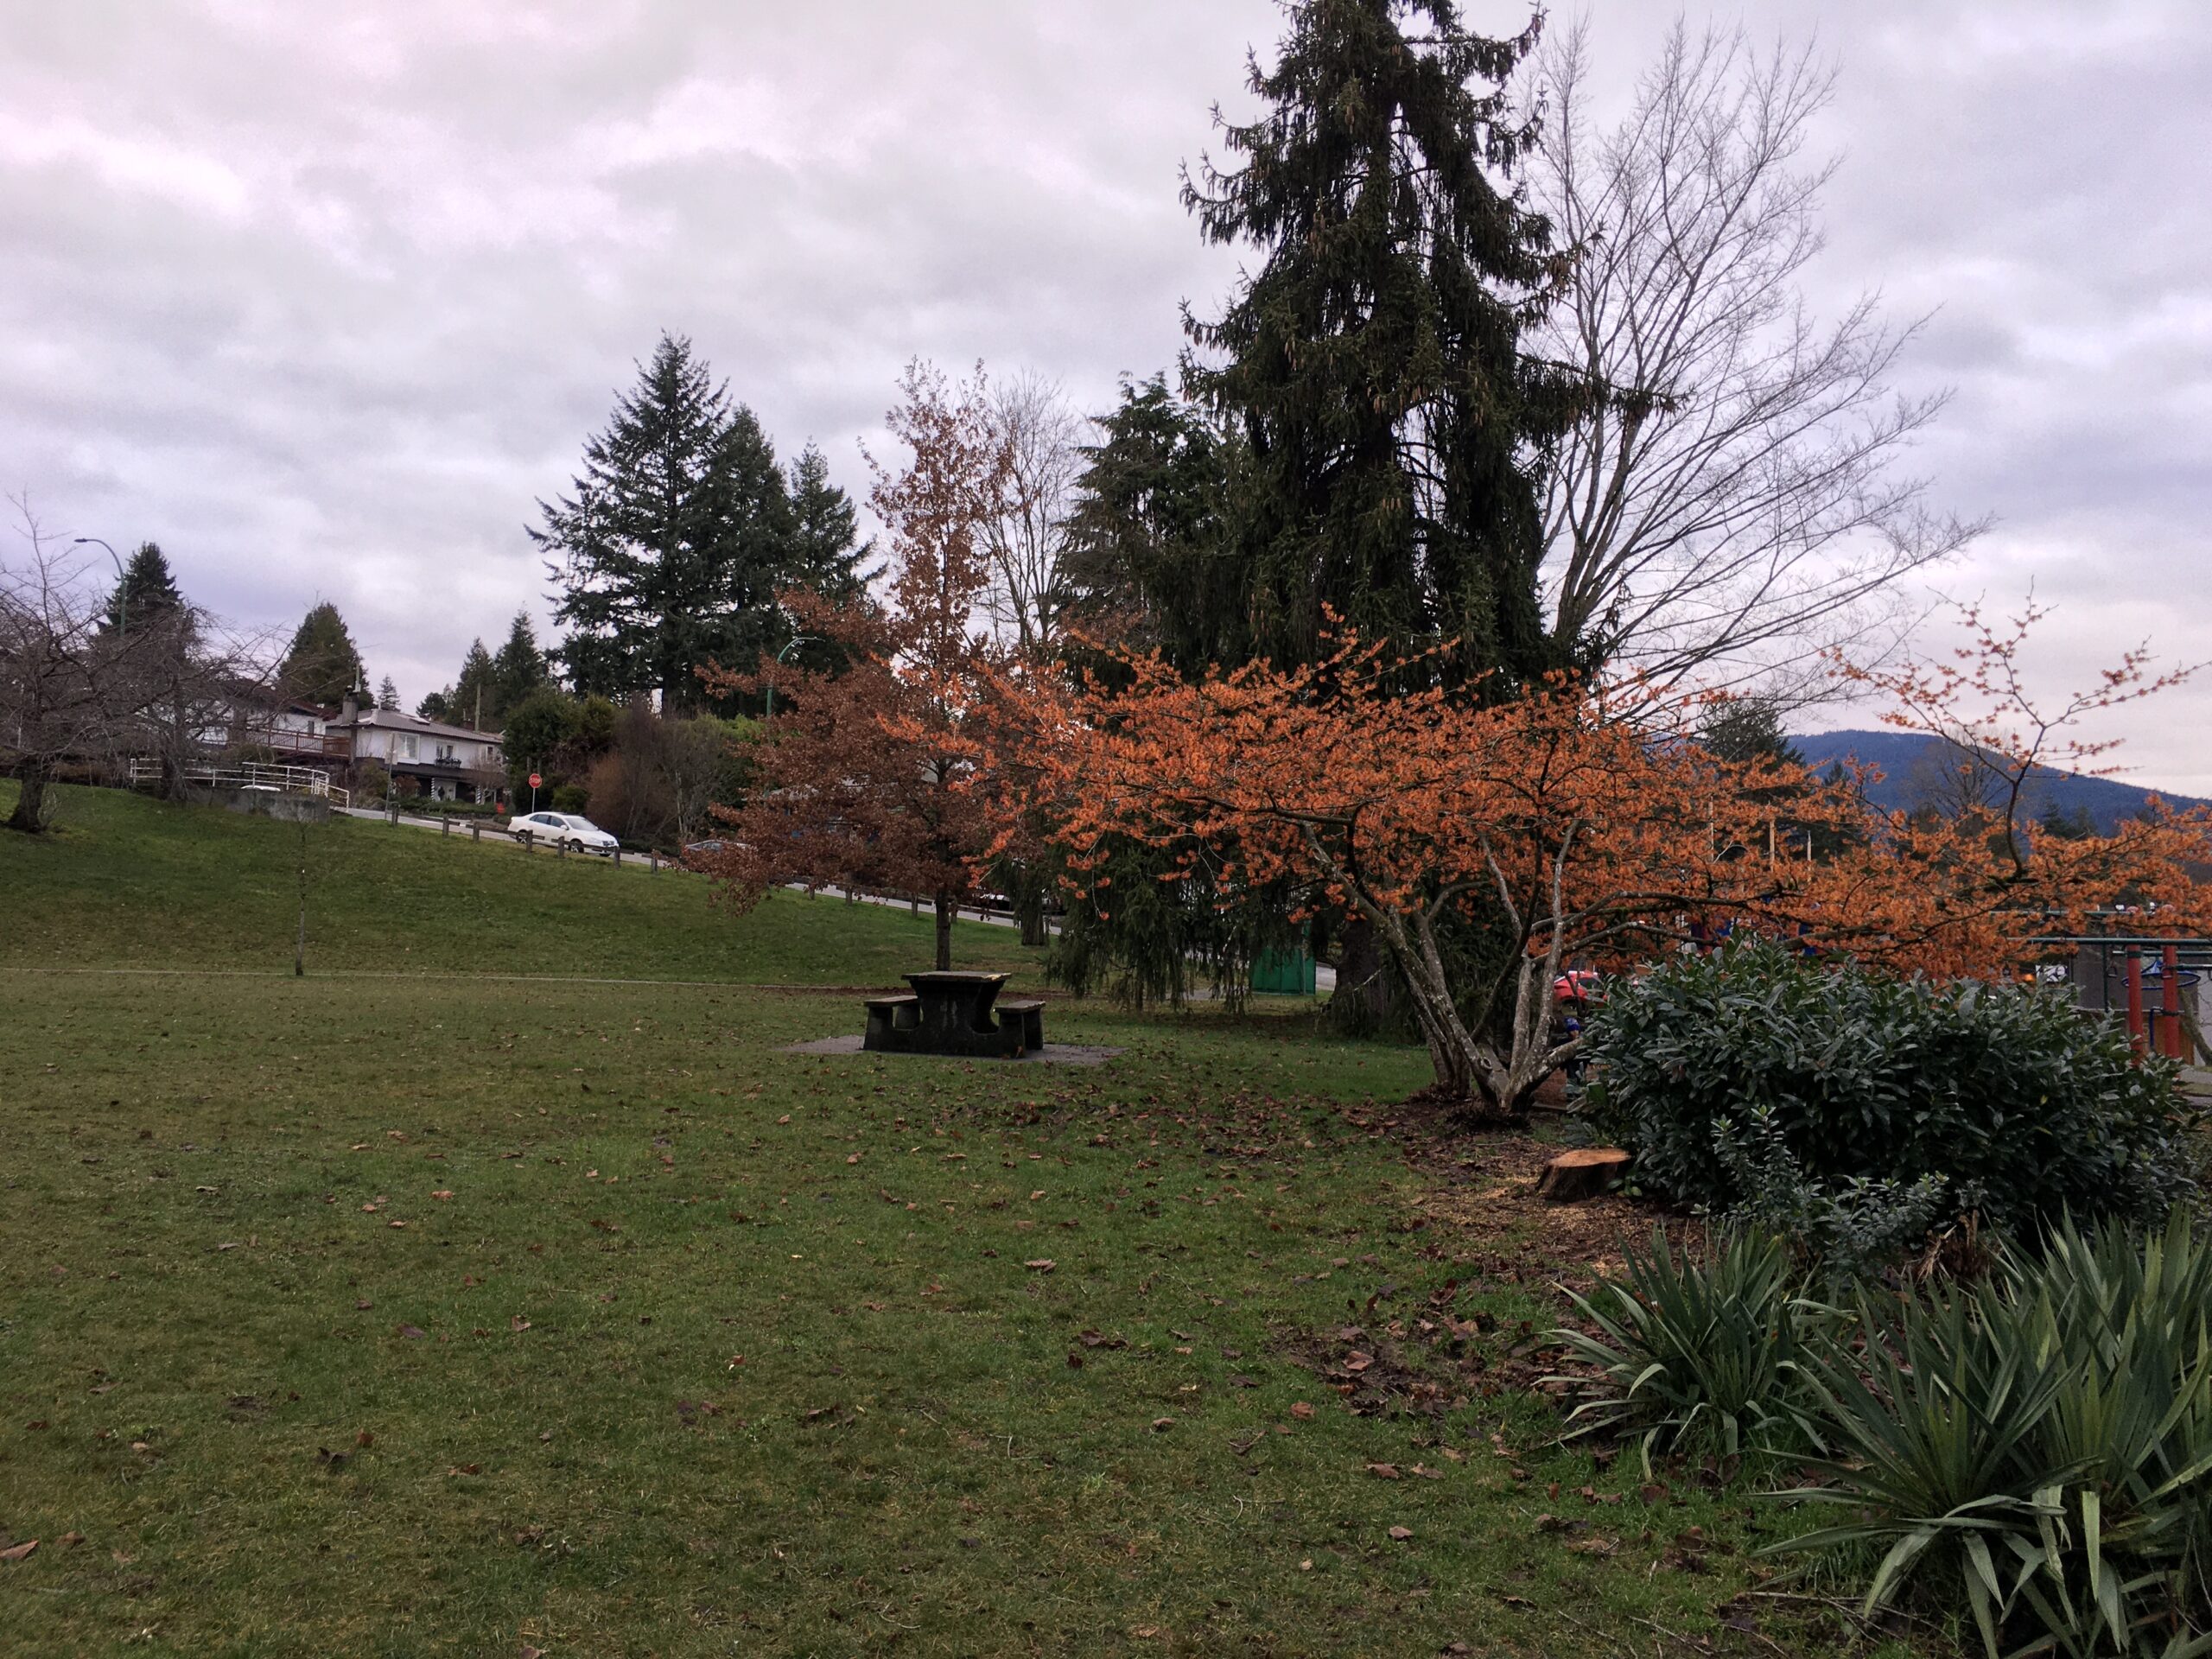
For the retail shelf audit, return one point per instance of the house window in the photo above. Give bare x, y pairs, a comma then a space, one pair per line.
445, 754
403, 745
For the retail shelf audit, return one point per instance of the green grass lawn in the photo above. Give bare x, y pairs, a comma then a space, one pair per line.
424, 1316
124, 881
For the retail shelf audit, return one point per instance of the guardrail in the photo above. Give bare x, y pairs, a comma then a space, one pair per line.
292, 780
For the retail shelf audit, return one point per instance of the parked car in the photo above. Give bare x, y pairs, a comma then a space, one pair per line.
578, 835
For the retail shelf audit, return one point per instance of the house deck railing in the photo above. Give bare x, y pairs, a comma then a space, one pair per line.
292, 780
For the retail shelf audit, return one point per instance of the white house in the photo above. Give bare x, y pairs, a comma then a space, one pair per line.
449, 762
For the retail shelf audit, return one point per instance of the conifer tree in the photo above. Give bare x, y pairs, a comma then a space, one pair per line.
388, 694
146, 594
1373, 360
670, 549
475, 699
1155, 560
518, 670
322, 664
826, 556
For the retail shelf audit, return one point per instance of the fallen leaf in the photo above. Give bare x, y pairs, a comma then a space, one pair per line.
441, 1193
1042, 1264
17, 1552
518, 1323
1385, 1471
72, 1538
1161, 1424
412, 1332
465, 1469
1400, 1533
1300, 1409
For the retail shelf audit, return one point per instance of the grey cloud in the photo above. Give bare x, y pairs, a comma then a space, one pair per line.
324, 298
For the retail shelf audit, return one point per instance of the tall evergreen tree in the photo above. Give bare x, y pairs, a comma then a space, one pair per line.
146, 594
826, 556
1154, 559
322, 664
388, 694
518, 670
1373, 360
670, 549
475, 699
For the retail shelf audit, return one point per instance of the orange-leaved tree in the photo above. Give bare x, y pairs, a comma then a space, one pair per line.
865, 772
1579, 822
1579, 833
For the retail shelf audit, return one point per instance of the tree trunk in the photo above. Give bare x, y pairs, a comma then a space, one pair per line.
944, 914
29, 815
1365, 1002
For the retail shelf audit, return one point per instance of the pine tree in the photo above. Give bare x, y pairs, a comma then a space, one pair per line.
322, 665
146, 594
826, 556
1373, 360
516, 671
388, 694
437, 706
670, 552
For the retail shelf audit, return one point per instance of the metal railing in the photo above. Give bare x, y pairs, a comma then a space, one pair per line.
292, 780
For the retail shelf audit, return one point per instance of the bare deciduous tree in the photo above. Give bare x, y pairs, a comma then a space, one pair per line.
59, 697
1028, 542
1743, 504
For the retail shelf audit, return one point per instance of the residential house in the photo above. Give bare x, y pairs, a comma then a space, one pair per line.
448, 763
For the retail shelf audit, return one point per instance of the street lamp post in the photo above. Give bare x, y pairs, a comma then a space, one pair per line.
122, 598
797, 641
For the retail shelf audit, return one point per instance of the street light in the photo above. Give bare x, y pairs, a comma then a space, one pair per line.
122, 599
797, 640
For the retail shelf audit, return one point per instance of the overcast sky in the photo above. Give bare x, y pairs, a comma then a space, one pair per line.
324, 298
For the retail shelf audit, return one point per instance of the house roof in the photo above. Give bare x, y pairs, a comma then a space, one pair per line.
392, 720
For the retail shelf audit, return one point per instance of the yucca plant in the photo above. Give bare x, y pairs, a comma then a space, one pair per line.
2041, 1442
1698, 1353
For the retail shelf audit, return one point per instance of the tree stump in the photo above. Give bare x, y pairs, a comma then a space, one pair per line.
1586, 1173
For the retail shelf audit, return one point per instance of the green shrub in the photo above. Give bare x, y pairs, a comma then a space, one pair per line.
2041, 1446
571, 798
1847, 1230
2025, 1107
1698, 1353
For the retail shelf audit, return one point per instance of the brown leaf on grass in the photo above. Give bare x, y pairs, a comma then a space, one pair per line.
464, 1469
853, 1158
1095, 1339
1383, 1470
72, 1538
1300, 1409
1595, 1546
1161, 1424
518, 1324
441, 1193
1357, 1363
1399, 1534
412, 1332
17, 1552
1654, 1493
1042, 1264
529, 1652
1075, 1360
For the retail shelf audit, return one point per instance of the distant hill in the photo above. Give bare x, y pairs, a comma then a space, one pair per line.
1905, 759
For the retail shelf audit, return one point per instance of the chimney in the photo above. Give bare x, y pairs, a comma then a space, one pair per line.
352, 709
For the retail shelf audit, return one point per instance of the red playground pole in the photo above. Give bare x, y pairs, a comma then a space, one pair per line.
2176, 1043
2135, 997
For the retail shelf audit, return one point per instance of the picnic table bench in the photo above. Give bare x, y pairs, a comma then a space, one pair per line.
953, 1013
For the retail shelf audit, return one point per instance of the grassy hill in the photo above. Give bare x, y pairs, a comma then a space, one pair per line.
125, 881
1904, 757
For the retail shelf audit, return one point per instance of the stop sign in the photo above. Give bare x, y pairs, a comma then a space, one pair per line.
534, 780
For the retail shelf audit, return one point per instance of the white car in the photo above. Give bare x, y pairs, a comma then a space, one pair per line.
578, 835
